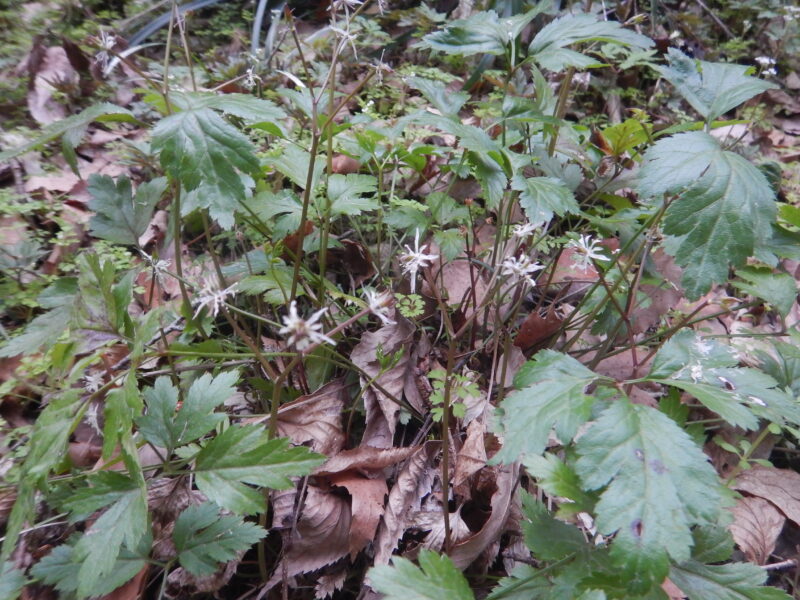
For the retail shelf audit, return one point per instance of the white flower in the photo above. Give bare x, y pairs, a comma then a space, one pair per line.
770, 71
93, 382
523, 230
586, 251
520, 268
251, 79
106, 41
302, 333
213, 298
346, 37
379, 304
765, 61
414, 260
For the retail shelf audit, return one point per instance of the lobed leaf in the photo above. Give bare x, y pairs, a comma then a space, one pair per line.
542, 197
436, 578
119, 216
733, 581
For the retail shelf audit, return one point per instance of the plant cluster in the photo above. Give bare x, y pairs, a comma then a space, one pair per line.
417, 312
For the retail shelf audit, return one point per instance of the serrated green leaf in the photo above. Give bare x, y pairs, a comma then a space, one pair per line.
12, 580
724, 207
202, 151
204, 538
779, 289
104, 488
163, 427
60, 566
123, 524
712, 543
658, 484
346, 194
480, 33
523, 583
711, 88
734, 581
274, 285
294, 163
436, 578
550, 395
542, 197
443, 99
548, 47
451, 243
44, 329
99, 112
244, 454
119, 216
558, 478
687, 348
548, 538
245, 106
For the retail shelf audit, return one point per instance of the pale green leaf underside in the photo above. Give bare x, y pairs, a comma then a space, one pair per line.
724, 207
658, 484
435, 579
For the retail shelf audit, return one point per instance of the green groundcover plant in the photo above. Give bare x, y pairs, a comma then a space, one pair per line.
275, 266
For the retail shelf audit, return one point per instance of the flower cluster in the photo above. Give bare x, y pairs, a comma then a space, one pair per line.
520, 268
586, 251
413, 260
302, 333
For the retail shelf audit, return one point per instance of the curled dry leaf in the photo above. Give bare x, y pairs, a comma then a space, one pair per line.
413, 482
316, 418
49, 75
780, 486
471, 458
756, 527
365, 459
366, 507
382, 411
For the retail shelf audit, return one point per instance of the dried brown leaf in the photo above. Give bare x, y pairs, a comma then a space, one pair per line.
366, 508
48, 76
756, 527
316, 418
329, 583
365, 459
471, 458
780, 486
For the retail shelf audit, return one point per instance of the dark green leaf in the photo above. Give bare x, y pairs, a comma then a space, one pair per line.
346, 194
551, 394
548, 538
245, 106
435, 579
541, 197
44, 329
98, 112
119, 217
659, 484
558, 478
451, 243
723, 210
204, 538
202, 151
244, 454
444, 100
12, 580
712, 543
711, 88
106, 487
294, 163
734, 581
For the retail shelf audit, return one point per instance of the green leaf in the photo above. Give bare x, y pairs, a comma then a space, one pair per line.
711, 88
451, 242
202, 151
548, 46
779, 289
658, 484
294, 163
44, 329
122, 406
105, 487
541, 197
346, 194
76, 123
734, 581
724, 207
119, 217
203, 538
124, 524
551, 394
244, 454
548, 538
480, 33
523, 583
558, 478
60, 566
436, 578
245, 106
444, 100
712, 543
163, 427
12, 580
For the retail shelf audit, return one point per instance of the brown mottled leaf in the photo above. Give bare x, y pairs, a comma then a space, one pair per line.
779, 486
756, 527
366, 507
365, 459
316, 418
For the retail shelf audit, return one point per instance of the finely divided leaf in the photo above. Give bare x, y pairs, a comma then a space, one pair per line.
541, 197
242, 455
734, 581
548, 48
436, 578
12, 580
723, 208
347, 194
119, 216
658, 484
203, 152
711, 88
550, 395
204, 538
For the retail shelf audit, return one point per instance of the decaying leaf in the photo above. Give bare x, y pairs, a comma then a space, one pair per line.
316, 418
780, 486
756, 527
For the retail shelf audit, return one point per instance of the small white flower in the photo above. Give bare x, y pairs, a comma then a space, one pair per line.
213, 298
106, 41
765, 61
346, 37
91, 417
379, 305
251, 79
523, 230
302, 333
93, 382
414, 260
770, 71
586, 251
520, 268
